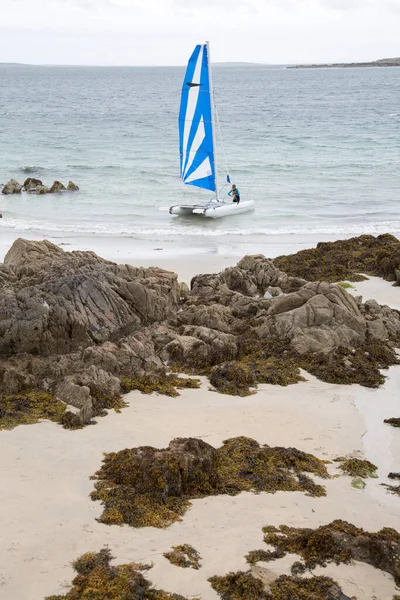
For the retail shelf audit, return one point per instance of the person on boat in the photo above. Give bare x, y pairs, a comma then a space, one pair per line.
234, 193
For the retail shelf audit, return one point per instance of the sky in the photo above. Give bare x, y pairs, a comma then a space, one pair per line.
163, 32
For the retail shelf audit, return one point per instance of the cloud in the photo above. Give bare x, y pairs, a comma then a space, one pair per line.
164, 31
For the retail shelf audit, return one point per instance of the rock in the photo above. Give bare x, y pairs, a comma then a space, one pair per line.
274, 291
53, 302
57, 187
42, 189
318, 318
72, 187
78, 396
183, 290
30, 184
12, 187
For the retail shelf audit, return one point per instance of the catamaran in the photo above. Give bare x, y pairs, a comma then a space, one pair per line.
197, 141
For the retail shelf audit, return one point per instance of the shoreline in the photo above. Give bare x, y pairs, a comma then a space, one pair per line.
186, 257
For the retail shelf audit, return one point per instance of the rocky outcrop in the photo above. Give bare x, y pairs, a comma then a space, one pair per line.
75, 310
12, 187
74, 324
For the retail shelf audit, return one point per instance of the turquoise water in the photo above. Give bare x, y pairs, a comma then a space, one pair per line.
319, 151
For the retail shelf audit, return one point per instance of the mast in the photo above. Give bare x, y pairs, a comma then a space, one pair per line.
212, 119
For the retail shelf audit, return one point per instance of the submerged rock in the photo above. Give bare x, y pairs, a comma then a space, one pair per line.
12, 187
72, 187
42, 189
31, 184
57, 187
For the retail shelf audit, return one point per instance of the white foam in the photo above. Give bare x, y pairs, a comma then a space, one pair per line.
184, 230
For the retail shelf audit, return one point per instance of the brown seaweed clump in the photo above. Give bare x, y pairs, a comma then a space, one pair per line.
345, 259
239, 586
278, 365
356, 467
339, 542
394, 421
362, 365
98, 580
28, 408
184, 556
167, 384
255, 556
149, 487
244, 586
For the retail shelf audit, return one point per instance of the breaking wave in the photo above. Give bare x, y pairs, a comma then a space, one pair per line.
183, 230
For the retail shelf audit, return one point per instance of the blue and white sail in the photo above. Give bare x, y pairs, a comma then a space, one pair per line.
195, 123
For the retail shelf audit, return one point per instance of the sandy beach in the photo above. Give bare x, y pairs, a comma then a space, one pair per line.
48, 520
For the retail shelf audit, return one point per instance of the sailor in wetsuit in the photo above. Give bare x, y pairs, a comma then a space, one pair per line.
235, 193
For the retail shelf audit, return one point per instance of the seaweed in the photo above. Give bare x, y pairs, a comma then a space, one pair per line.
338, 542
394, 476
394, 421
360, 365
167, 384
30, 407
98, 580
244, 586
286, 587
255, 556
102, 402
239, 586
149, 487
184, 556
345, 259
356, 467
346, 285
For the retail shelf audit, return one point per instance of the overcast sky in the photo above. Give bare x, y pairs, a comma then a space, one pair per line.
163, 32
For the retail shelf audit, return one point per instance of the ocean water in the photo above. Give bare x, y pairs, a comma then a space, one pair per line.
318, 150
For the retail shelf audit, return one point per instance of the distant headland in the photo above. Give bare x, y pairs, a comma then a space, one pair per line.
383, 62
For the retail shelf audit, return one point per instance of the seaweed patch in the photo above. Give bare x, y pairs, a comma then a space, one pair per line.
338, 542
146, 486
184, 556
97, 579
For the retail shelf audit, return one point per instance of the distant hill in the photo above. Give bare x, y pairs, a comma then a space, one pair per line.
383, 62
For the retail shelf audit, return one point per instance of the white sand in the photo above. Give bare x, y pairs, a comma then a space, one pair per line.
47, 518
384, 292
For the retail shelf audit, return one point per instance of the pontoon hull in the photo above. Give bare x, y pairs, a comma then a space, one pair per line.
212, 211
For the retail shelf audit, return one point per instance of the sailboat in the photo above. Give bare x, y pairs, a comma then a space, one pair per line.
197, 141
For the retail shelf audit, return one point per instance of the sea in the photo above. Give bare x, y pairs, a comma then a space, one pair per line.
318, 151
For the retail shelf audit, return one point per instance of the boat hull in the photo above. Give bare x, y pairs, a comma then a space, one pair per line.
214, 210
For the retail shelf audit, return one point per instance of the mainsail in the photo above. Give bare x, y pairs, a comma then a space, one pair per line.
195, 123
